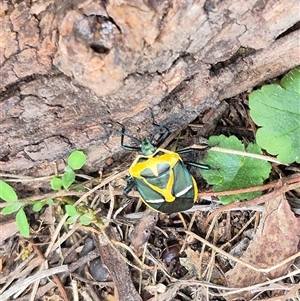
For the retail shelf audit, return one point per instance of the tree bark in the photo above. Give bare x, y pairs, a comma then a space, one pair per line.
66, 67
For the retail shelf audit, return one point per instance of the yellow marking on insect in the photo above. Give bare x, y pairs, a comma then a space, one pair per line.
168, 158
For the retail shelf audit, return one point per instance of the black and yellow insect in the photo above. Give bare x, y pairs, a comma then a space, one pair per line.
161, 176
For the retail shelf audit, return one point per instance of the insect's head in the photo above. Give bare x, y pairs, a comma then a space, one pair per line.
146, 146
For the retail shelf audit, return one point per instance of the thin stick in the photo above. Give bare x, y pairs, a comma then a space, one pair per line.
250, 189
239, 153
255, 201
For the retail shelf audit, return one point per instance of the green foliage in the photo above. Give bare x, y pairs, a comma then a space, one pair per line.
276, 109
86, 219
22, 222
78, 187
37, 206
72, 212
229, 171
56, 183
76, 160
11, 208
7, 193
40, 204
86, 216
68, 177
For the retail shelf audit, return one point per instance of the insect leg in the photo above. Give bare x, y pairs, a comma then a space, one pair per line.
163, 136
123, 134
191, 149
130, 185
195, 164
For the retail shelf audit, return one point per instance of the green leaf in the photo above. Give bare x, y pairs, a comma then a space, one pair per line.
7, 193
49, 202
276, 109
71, 210
78, 187
291, 80
68, 177
72, 219
229, 172
13, 207
22, 222
88, 217
56, 183
76, 159
85, 220
40, 204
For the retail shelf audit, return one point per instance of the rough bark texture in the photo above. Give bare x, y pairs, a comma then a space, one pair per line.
68, 66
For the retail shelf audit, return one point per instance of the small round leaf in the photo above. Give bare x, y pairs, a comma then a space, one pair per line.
38, 206
71, 210
76, 159
72, 219
85, 220
49, 202
56, 183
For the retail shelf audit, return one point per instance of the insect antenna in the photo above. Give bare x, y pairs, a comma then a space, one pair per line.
123, 134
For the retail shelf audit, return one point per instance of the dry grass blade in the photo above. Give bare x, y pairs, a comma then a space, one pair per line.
20, 287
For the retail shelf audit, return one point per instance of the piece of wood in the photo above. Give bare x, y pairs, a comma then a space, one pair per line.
117, 266
67, 67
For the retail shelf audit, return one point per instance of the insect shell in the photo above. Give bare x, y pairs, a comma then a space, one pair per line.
160, 176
